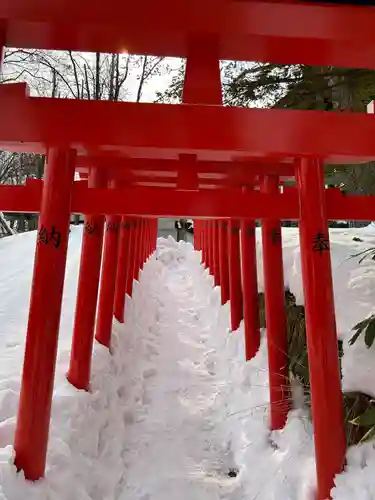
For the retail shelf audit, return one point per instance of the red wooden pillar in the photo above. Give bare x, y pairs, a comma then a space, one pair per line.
210, 253
204, 243
213, 251
250, 288
275, 313
34, 409
203, 86
122, 270
155, 235
209, 245
150, 224
149, 238
130, 270
223, 257
236, 311
2, 43
202, 77
87, 294
141, 244
136, 249
198, 234
108, 281
139, 250
144, 251
326, 393
195, 236
145, 242
216, 252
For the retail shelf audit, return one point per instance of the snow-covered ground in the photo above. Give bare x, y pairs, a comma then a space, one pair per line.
176, 408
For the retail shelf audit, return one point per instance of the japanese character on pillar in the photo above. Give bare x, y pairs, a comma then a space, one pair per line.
90, 227
112, 227
320, 243
45, 237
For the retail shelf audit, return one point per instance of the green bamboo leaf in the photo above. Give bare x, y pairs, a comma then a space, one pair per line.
368, 436
367, 419
355, 337
362, 324
370, 334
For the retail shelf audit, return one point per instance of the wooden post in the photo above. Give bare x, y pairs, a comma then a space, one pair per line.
108, 281
326, 392
34, 409
274, 292
87, 294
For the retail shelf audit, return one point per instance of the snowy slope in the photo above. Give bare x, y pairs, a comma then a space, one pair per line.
175, 407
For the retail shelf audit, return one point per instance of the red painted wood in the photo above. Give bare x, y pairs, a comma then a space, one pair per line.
250, 288
108, 281
235, 288
87, 294
204, 243
223, 255
210, 247
132, 243
163, 202
283, 32
121, 167
43, 325
29, 123
216, 252
122, 270
326, 394
274, 290
137, 249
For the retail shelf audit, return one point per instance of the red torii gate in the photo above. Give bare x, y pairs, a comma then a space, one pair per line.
222, 166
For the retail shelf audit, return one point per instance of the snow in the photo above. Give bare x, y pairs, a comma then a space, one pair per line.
175, 408
354, 290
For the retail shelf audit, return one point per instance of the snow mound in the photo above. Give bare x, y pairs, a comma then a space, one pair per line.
174, 411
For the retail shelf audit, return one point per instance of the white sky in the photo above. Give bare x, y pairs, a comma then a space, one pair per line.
156, 82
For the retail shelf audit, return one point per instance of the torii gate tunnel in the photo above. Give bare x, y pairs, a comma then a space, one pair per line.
222, 166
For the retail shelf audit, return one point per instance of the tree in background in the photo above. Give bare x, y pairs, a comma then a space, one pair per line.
78, 75
113, 77
298, 87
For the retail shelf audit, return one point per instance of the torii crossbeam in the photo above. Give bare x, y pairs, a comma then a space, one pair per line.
221, 165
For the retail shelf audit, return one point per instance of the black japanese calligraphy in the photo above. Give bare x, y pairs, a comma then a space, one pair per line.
112, 227
89, 227
46, 237
320, 243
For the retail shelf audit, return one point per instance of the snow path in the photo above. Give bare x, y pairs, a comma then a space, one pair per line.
175, 433
148, 428
174, 406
